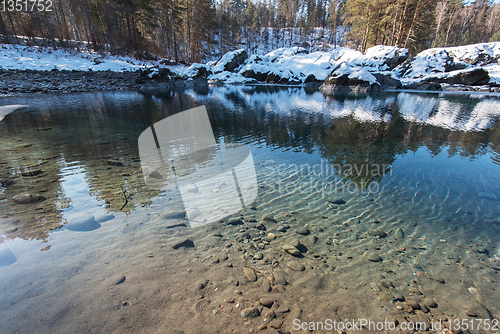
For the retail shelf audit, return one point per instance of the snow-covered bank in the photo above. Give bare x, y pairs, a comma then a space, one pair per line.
380, 66
20, 57
470, 67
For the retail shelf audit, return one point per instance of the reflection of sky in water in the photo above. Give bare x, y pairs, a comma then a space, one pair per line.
76, 189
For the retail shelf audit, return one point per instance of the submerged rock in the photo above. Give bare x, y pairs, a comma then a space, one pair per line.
267, 302
33, 172
250, 312
173, 215
28, 198
183, 243
429, 303
119, 279
104, 217
303, 231
235, 221
268, 218
374, 257
294, 242
377, 233
296, 266
115, 163
291, 250
399, 234
339, 201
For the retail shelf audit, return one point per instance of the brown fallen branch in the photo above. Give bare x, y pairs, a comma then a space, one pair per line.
261, 272
124, 197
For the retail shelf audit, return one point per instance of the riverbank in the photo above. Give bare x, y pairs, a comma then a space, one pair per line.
16, 82
469, 68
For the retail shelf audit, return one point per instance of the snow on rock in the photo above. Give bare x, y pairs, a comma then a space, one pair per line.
296, 65
476, 54
288, 66
363, 75
376, 59
230, 61
428, 62
196, 71
494, 74
385, 58
230, 78
358, 82
475, 64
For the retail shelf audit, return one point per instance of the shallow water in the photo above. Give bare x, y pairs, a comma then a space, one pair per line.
424, 164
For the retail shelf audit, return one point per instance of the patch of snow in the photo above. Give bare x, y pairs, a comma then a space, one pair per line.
494, 73
475, 54
428, 62
230, 77
364, 75
39, 58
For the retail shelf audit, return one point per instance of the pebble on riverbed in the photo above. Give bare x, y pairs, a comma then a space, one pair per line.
374, 257
296, 266
291, 250
250, 274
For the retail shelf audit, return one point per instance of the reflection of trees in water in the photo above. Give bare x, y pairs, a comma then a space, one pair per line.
91, 129
347, 141
51, 137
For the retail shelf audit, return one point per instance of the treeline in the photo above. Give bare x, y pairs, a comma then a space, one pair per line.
420, 24
196, 30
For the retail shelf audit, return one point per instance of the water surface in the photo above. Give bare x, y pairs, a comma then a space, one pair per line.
424, 164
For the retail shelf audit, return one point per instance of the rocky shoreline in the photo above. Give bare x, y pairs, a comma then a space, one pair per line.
16, 82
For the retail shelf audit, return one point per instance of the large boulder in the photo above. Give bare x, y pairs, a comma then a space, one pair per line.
469, 77
387, 81
425, 85
231, 61
358, 82
257, 75
270, 77
473, 77
476, 54
462, 62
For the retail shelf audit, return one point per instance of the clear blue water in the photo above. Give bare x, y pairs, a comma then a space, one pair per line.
424, 163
